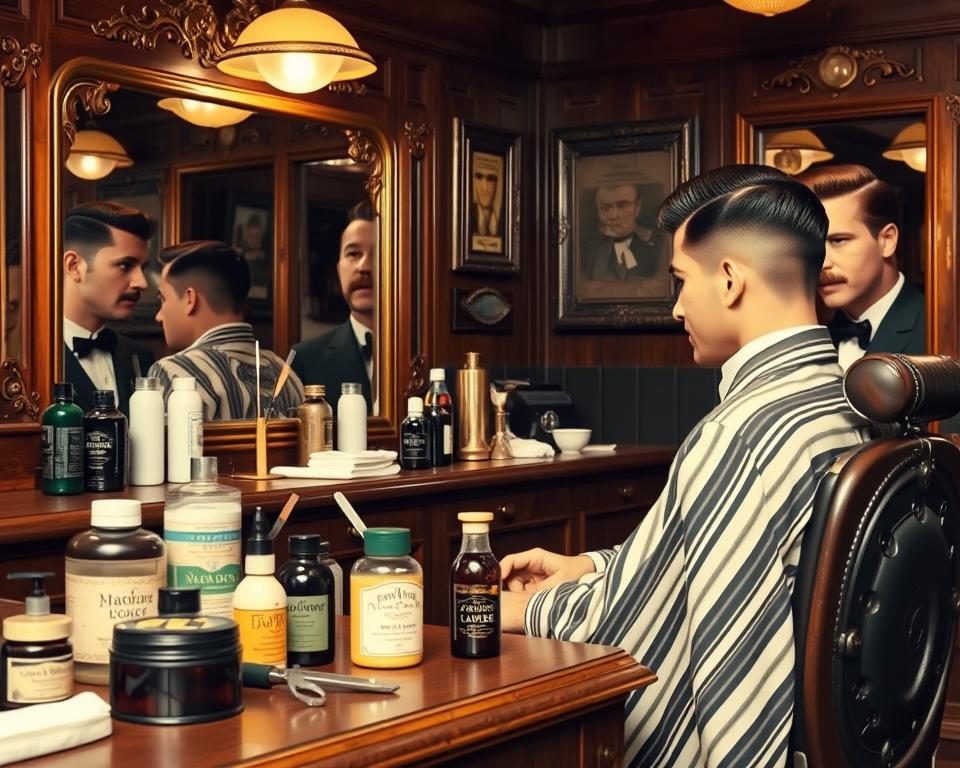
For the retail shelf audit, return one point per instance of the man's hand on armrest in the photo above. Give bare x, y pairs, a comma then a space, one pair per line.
537, 569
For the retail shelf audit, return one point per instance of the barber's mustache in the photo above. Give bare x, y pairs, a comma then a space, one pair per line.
829, 277
132, 296
360, 281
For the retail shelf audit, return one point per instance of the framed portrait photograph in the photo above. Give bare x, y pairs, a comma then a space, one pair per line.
249, 218
613, 262
486, 199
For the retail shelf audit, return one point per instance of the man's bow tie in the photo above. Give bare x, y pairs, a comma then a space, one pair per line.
842, 328
106, 340
367, 347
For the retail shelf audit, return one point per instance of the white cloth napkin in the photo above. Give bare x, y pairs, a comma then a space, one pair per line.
358, 460
44, 728
335, 472
530, 449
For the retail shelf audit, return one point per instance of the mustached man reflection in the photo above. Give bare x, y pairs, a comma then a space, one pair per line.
346, 352
105, 254
203, 290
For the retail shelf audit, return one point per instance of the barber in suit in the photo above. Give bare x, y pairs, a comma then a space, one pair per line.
875, 309
105, 254
345, 353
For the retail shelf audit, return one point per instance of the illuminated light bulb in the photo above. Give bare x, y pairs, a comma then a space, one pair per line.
766, 7
95, 154
89, 167
298, 72
204, 113
910, 146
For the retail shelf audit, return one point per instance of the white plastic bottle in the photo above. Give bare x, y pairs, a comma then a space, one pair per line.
351, 419
146, 433
184, 428
260, 602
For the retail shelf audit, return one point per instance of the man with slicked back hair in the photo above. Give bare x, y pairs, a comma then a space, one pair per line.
700, 592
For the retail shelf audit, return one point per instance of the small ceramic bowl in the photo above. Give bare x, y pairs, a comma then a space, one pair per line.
571, 440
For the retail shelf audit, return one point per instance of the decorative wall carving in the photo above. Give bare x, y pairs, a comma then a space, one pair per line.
416, 136
953, 107
418, 378
837, 68
363, 149
91, 95
17, 403
349, 86
20, 59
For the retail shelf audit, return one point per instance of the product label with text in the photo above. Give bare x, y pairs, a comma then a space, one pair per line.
34, 681
307, 623
476, 610
392, 620
263, 635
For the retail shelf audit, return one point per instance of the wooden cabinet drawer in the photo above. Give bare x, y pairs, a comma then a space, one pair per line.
640, 488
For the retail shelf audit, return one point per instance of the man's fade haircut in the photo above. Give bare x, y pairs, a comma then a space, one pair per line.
362, 211
224, 274
87, 227
879, 203
750, 197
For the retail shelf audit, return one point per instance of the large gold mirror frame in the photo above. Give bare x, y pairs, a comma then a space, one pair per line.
939, 188
89, 82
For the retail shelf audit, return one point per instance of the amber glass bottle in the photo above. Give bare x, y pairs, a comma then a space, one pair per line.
475, 592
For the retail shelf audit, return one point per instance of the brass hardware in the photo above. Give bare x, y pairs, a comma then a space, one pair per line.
849, 644
416, 136
91, 95
507, 511
14, 391
354, 533
348, 86
21, 58
626, 492
606, 757
836, 68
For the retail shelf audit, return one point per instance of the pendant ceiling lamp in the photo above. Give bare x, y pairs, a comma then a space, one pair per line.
910, 147
767, 7
95, 154
204, 113
794, 151
296, 49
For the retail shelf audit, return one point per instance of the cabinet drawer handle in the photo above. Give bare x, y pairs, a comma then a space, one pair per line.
626, 492
353, 533
507, 511
606, 757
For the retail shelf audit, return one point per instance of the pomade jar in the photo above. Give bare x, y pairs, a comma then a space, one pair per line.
386, 602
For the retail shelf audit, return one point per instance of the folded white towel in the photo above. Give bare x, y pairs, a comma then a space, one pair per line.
45, 728
356, 457
530, 449
335, 473
351, 464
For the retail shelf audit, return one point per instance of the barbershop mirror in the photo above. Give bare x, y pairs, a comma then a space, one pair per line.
278, 188
11, 220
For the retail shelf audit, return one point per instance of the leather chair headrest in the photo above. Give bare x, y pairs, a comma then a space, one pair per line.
900, 388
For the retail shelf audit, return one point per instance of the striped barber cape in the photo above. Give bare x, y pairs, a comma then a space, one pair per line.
700, 591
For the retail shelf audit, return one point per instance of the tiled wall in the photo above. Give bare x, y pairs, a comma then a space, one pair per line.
627, 404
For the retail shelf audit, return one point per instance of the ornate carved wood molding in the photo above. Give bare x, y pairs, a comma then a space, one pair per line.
349, 86
837, 68
953, 107
191, 24
17, 403
91, 95
416, 136
418, 377
20, 59
363, 149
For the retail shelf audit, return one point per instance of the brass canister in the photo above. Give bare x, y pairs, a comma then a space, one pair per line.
472, 412
316, 423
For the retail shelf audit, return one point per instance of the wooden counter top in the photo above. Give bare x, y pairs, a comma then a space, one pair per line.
445, 707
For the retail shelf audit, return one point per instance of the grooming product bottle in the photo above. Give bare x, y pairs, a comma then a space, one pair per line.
316, 423
146, 433
439, 415
36, 659
184, 428
202, 531
113, 574
475, 591
351, 419
259, 603
337, 572
472, 410
414, 437
62, 433
311, 620
105, 449
386, 602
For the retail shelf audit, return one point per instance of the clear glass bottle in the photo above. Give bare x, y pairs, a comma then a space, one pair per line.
202, 523
62, 433
475, 591
386, 602
439, 415
316, 423
311, 617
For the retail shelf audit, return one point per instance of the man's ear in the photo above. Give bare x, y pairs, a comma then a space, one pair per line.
74, 266
732, 278
888, 237
192, 299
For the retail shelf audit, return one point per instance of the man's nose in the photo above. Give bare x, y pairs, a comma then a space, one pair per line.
138, 279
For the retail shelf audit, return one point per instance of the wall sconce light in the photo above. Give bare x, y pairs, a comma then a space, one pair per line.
296, 49
204, 113
910, 147
95, 154
766, 7
794, 151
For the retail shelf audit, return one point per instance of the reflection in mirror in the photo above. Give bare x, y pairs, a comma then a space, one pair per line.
869, 174
272, 187
11, 219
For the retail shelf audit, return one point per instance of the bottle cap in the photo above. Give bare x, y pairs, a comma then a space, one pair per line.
307, 544
184, 382
475, 522
415, 406
63, 390
260, 542
36, 624
146, 382
437, 374
386, 542
103, 398
203, 468
350, 388
115, 513
38, 603
315, 390
179, 601
323, 548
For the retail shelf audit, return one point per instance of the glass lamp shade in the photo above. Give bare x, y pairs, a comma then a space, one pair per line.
204, 113
296, 49
910, 147
766, 7
95, 154
794, 151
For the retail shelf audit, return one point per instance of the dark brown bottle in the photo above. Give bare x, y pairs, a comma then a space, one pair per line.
475, 592
104, 445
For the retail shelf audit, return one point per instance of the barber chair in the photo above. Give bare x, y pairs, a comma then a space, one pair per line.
877, 590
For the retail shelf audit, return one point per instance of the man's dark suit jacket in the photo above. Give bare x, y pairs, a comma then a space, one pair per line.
123, 369
903, 329
332, 359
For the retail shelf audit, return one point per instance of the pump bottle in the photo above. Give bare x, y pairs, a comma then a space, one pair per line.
260, 602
